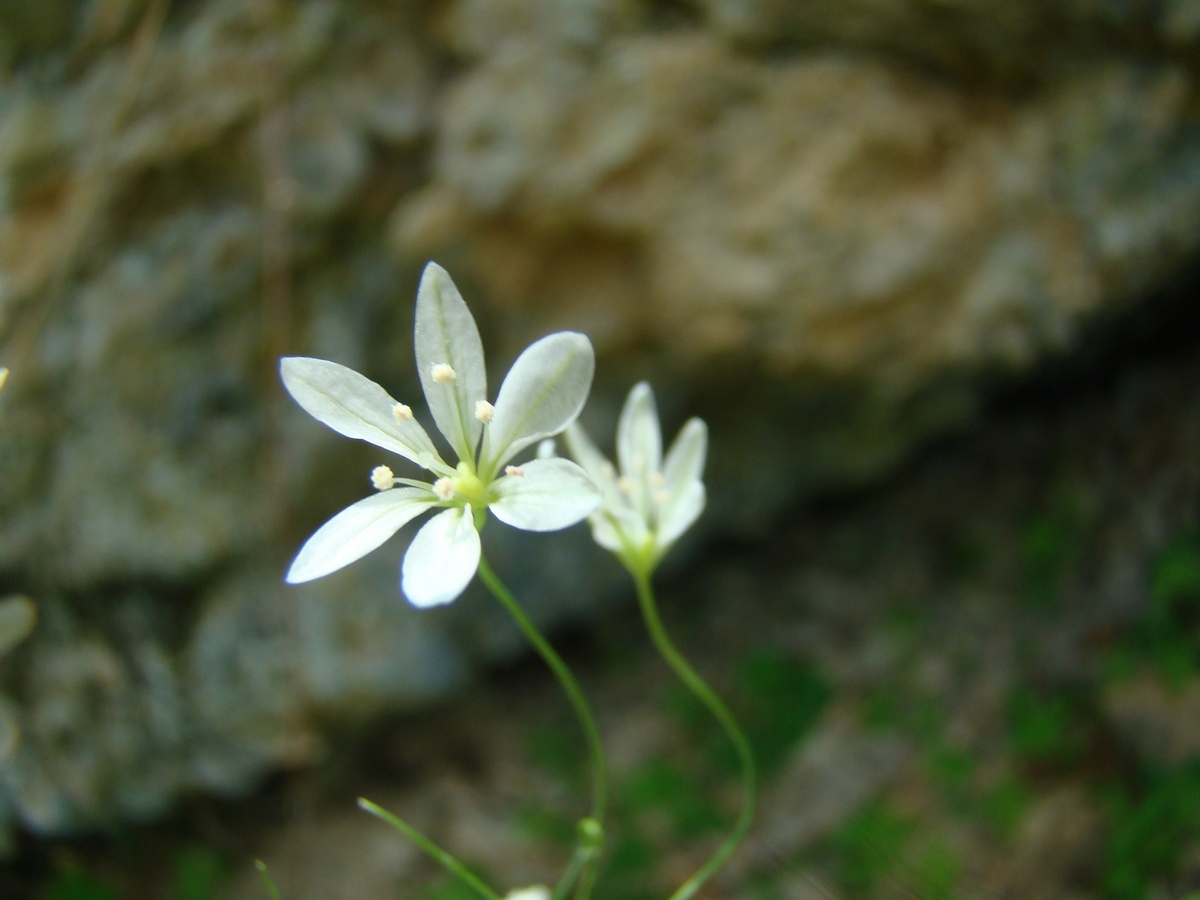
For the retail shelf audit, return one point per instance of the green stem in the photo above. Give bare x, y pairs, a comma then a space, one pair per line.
267, 879
591, 829
721, 713
566, 679
451, 864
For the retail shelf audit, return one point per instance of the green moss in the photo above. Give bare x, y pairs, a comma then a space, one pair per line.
1150, 824
628, 869
73, 884
870, 845
1052, 545
557, 751
936, 872
544, 824
1163, 639
198, 872
1004, 806
661, 787
776, 698
1045, 730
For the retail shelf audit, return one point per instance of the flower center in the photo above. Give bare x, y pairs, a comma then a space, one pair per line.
469, 486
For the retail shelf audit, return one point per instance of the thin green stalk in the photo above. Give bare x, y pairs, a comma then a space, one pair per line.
591, 829
721, 713
267, 879
568, 682
450, 863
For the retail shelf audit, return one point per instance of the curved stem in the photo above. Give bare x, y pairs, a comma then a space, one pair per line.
568, 682
721, 713
450, 862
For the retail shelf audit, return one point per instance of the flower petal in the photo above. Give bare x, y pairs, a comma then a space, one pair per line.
542, 394
639, 438
357, 530
681, 510
685, 459
581, 446
619, 528
551, 494
445, 334
442, 559
354, 405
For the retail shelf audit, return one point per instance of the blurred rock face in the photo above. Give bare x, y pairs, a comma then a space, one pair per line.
820, 226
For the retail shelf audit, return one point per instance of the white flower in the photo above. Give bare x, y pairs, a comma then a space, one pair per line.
650, 502
537, 892
541, 395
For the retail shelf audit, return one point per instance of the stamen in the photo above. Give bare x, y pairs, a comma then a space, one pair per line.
444, 488
625, 485
443, 374
546, 449
383, 478
514, 471
402, 412
607, 469
483, 411
656, 479
661, 497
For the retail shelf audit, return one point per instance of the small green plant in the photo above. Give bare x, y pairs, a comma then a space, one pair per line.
637, 510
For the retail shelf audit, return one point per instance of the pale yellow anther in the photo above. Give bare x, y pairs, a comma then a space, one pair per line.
484, 411
443, 374
402, 412
3, 375
607, 469
383, 478
444, 488
656, 479
661, 497
514, 471
625, 485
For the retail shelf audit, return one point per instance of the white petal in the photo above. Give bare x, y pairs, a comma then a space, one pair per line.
617, 527
445, 334
685, 459
357, 530
442, 559
678, 515
580, 446
639, 438
18, 615
542, 394
552, 494
354, 405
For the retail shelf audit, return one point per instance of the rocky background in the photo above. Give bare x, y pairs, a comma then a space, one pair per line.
832, 229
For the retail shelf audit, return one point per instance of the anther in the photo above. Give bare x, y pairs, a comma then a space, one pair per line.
483, 411
444, 488
443, 374
661, 497
625, 485
382, 478
514, 471
656, 479
402, 412
607, 469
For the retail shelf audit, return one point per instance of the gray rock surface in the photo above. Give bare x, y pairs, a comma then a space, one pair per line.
825, 231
